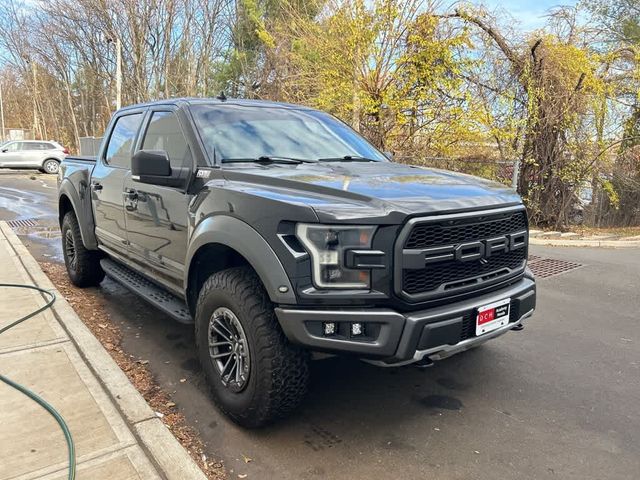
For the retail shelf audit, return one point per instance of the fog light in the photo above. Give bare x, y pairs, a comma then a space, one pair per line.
357, 329
329, 328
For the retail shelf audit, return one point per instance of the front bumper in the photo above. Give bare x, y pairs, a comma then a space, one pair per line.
395, 339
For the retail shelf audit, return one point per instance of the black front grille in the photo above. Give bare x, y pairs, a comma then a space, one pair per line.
448, 276
435, 234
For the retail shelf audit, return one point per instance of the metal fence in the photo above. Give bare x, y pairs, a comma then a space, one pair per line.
89, 146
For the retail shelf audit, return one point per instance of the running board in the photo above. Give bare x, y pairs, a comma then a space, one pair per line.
149, 291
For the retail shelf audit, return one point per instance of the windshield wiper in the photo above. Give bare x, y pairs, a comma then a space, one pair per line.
347, 158
266, 159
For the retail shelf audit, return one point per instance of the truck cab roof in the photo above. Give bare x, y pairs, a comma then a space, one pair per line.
188, 101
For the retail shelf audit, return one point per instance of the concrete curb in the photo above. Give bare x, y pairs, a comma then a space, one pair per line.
559, 242
163, 449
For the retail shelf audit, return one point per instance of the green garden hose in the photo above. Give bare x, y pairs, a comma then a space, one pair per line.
39, 400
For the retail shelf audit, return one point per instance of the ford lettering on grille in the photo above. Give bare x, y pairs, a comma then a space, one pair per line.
451, 254
468, 252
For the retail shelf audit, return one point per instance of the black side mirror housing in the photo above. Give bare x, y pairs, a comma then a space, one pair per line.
150, 163
153, 167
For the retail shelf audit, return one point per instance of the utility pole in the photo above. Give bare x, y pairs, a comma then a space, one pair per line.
36, 123
118, 73
2, 114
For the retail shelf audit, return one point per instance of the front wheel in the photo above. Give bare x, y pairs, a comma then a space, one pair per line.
51, 166
255, 374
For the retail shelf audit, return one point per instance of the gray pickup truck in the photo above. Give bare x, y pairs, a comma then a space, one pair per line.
278, 231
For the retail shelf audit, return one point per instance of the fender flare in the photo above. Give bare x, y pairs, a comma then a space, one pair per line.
241, 237
81, 205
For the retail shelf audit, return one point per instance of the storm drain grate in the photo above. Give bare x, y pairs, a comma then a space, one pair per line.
29, 222
548, 267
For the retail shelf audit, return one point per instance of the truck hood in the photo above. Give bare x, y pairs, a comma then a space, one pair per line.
370, 191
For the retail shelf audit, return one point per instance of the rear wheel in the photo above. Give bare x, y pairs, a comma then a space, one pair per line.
51, 166
83, 266
255, 374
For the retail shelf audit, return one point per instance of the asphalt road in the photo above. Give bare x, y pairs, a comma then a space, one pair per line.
560, 399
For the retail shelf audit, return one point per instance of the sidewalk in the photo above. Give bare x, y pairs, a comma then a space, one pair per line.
571, 239
117, 435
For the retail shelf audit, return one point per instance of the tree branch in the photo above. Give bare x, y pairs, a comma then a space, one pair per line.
515, 59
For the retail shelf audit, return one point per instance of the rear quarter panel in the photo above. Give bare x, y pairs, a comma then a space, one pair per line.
74, 181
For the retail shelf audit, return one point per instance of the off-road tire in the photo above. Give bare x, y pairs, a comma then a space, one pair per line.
278, 371
86, 271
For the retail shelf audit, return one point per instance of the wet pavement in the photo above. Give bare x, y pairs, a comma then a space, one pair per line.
29, 199
558, 400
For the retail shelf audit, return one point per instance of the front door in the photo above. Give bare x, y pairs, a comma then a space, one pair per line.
11, 154
156, 216
107, 182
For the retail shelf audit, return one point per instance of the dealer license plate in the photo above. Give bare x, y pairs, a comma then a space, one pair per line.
492, 316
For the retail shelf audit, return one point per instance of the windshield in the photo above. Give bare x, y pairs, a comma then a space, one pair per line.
241, 131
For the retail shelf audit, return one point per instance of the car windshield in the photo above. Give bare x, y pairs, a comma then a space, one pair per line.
243, 131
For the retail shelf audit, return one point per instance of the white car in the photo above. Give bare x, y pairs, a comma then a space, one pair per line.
43, 155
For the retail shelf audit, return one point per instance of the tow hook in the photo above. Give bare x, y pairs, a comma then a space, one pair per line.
519, 327
426, 362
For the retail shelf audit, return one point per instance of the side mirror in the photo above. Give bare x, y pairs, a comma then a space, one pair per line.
150, 163
389, 155
5, 150
153, 167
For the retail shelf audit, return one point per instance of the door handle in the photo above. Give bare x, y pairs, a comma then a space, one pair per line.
96, 186
131, 195
130, 200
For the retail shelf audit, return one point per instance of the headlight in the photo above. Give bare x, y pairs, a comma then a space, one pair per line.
327, 245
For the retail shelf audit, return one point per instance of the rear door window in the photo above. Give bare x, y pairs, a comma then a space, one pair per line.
36, 146
164, 133
120, 144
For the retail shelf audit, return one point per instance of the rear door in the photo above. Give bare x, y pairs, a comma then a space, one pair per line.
156, 216
33, 154
107, 181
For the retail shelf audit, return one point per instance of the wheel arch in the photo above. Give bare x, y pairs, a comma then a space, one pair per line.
69, 201
223, 242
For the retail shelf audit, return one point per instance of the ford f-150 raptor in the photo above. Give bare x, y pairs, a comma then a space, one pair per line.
277, 231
